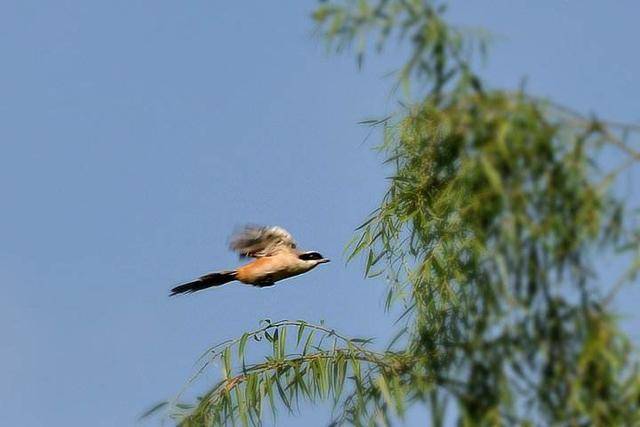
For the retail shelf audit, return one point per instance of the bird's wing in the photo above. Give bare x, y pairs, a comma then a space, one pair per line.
257, 242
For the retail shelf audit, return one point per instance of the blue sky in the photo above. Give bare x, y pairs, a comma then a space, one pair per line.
135, 135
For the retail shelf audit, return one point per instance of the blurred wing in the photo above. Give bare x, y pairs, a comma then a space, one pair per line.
255, 241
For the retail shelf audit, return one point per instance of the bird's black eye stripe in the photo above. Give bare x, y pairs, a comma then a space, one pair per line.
310, 256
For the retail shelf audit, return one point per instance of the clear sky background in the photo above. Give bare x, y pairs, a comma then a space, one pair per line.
135, 135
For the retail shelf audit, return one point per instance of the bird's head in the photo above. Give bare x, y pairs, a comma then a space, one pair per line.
313, 258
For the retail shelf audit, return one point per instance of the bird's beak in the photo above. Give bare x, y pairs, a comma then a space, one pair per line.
323, 261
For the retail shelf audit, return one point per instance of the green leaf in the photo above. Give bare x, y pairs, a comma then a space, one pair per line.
154, 409
281, 392
268, 385
226, 362
282, 342
308, 342
361, 340
381, 383
369, 263
397, 336
275, 343
300, 333
241, 345
242, 407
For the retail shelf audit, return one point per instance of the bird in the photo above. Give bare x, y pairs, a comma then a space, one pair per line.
276, 257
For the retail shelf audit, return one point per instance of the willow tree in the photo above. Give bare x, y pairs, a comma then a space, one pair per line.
488, 237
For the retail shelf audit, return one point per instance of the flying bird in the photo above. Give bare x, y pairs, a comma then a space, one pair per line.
276, 257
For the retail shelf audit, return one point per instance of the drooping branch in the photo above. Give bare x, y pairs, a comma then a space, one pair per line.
316, 366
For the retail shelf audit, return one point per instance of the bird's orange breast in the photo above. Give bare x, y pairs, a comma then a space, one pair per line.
270, 269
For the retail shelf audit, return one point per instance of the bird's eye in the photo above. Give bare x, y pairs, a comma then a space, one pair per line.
310, 256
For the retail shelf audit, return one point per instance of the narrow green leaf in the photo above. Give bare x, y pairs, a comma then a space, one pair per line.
282, 342
308, 342
153, 410
242, 408
275, 344
398, 335
361, 340
381, 383
340, 377
369, 263
242, 344
300, 333
282, 393
226, 362
492, 175
268, 385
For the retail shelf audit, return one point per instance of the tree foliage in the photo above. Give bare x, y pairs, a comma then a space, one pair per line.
498, 209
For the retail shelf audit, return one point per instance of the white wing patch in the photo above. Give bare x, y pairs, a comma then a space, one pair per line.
255, 241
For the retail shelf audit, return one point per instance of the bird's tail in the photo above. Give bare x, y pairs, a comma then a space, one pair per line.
204, 282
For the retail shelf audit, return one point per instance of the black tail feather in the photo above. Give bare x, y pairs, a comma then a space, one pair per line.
204, 282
